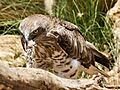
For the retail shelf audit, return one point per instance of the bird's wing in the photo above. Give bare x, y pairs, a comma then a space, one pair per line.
70, 39
72, 42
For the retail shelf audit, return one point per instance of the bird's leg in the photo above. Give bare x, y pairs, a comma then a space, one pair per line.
29, 58
30, 55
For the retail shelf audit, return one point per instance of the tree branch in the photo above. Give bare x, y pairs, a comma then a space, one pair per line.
32, 79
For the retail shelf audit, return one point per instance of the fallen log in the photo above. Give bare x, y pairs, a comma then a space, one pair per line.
38, 79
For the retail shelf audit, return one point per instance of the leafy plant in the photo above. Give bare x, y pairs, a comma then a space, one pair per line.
12, 11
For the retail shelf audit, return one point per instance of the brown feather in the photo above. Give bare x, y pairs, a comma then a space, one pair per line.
56, 37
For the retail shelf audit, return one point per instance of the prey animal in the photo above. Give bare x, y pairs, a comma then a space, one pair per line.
58, 46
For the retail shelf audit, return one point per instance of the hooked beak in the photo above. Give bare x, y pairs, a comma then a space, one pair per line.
28, 44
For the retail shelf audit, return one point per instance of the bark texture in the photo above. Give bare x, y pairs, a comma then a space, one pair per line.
38, 79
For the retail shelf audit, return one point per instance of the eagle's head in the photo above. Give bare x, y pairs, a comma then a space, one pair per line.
31, 28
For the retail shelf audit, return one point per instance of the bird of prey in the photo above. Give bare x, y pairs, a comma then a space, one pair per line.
59, 46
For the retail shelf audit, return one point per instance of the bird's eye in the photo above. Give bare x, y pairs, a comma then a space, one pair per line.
35, 32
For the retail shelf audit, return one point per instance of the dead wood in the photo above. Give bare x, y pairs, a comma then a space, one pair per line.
38, 79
